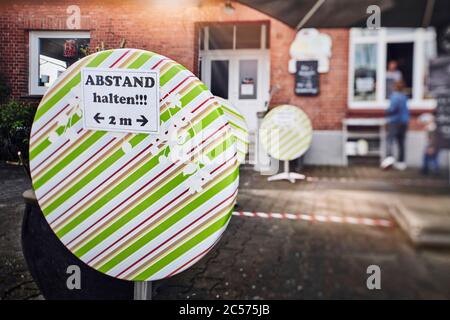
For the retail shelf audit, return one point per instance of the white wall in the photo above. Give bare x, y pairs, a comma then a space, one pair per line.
327, 149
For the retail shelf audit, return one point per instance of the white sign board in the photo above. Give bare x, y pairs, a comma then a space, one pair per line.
247, 89
366, 84
120, 100
286, 118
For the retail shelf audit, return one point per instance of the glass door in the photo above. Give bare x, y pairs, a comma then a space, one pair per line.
248, 79
250, 85
240, 76
219, 78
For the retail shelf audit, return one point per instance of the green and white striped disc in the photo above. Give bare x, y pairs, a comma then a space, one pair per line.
238, 127
135, 206
286, 132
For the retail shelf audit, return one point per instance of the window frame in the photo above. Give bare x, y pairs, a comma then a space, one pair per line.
33, 55
419, 37
263, 42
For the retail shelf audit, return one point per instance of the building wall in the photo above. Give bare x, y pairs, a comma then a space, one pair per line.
327, 149
170, 30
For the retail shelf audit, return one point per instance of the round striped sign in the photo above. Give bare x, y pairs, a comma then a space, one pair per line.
135, 206
238, 127
286, 132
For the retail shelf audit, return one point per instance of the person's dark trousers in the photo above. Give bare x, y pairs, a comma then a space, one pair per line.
390, 139
430, 161
396, 134
401, 135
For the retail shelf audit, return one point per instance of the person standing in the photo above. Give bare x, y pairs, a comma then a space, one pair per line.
397, 125
431, 152
393, 75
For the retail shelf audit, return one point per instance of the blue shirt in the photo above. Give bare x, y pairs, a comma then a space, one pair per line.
398, 109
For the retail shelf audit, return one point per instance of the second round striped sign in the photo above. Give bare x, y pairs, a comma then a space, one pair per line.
135, 206
286, 132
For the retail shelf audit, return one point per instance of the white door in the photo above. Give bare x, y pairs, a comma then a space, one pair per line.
240, 76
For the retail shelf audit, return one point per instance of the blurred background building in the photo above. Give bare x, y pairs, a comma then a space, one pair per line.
246, 51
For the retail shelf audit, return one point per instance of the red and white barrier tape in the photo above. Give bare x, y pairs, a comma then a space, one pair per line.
317, 217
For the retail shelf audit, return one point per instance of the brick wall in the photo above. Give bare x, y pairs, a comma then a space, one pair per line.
169, 30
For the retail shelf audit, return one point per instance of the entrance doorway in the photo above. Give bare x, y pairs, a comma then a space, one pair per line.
240, 77
235, 65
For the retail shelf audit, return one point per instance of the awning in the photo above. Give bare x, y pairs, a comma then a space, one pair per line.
352, 13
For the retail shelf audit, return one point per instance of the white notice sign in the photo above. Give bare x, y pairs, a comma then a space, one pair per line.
285, 118
247, 89
120, 100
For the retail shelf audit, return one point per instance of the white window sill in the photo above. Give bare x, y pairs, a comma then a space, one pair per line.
381, 105
36, 91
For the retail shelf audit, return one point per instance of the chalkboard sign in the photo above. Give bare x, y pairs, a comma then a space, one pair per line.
439, 86
439, 81
307, 78
443, 120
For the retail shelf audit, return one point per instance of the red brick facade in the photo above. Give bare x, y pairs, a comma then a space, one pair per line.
170, 30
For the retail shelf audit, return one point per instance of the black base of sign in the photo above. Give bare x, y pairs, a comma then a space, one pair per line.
48, 260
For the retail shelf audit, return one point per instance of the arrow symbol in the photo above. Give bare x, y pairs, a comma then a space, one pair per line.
98, 118
143, 120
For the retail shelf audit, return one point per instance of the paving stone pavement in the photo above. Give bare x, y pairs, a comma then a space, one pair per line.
285, 259
278, 258
15, 280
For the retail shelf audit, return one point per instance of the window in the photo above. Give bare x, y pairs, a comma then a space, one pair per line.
248, 36
399, 65
365, 72
220, 37
52, 52
219, 78
378, 58
248, 75
227, 36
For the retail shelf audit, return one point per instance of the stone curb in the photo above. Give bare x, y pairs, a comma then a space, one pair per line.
421, 231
